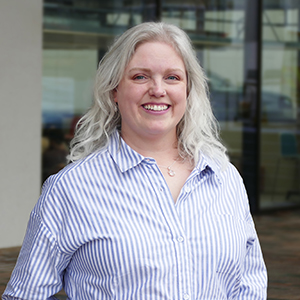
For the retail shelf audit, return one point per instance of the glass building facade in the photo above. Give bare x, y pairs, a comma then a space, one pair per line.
250, 50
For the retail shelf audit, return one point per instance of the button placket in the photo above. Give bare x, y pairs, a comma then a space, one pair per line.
180, 239
171, 215
181, 244
187, 190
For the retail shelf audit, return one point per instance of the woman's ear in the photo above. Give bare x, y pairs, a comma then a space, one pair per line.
115, 91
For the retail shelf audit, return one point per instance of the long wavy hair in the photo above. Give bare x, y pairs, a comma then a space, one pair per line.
198, 129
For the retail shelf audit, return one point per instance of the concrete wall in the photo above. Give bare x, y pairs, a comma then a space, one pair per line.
20, 115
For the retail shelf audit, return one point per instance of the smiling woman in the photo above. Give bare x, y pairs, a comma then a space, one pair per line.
152, 98
150, 207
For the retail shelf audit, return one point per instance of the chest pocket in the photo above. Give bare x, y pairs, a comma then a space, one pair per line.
231, 243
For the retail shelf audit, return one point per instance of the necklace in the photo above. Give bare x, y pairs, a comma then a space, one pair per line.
170, 171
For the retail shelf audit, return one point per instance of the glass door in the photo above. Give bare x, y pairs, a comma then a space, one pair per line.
280, 105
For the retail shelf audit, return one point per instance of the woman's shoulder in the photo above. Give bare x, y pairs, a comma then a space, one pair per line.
76, 169
231, 174
62, 190
222, 168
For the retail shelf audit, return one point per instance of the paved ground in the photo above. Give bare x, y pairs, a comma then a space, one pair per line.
279, 234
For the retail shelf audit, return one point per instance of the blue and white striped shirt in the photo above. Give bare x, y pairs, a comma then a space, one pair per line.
106, 227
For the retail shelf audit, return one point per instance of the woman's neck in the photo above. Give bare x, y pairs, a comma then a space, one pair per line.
160, 148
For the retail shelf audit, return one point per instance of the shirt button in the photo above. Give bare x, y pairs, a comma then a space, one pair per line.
161, 189
186, 296
180, 239
187, 190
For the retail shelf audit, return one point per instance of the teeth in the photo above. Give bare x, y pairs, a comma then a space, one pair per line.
156, 107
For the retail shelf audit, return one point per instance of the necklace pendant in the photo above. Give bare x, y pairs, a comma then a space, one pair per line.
171, 172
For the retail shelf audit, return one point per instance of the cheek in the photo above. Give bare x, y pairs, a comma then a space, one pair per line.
131, 95
182, 103
180, 97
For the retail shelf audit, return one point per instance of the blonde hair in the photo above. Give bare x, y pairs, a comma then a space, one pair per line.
198, 129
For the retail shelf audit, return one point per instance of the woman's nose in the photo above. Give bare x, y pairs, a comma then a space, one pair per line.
157, 90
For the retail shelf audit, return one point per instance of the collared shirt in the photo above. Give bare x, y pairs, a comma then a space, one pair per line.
107, 227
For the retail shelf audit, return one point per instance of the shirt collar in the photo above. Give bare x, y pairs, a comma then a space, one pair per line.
125, 157
208, 165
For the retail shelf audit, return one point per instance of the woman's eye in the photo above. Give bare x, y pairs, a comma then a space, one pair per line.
172, 77
139, 77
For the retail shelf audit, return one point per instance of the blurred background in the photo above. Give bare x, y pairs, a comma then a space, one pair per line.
49, 51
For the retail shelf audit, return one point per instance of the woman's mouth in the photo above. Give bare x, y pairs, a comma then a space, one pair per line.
156, 107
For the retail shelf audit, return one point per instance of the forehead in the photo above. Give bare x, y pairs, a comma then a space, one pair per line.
156, 52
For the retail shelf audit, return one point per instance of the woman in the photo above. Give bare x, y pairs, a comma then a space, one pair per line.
150, 208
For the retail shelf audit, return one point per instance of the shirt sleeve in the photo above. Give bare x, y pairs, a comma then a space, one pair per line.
39, 270
254, 281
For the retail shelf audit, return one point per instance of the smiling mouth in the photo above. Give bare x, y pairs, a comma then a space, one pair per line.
155, 107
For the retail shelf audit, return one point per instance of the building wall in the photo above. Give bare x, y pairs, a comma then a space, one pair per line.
20, 115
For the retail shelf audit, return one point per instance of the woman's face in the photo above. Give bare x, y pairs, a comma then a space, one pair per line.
152, 93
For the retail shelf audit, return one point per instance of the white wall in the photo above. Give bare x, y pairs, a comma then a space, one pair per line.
20, 115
